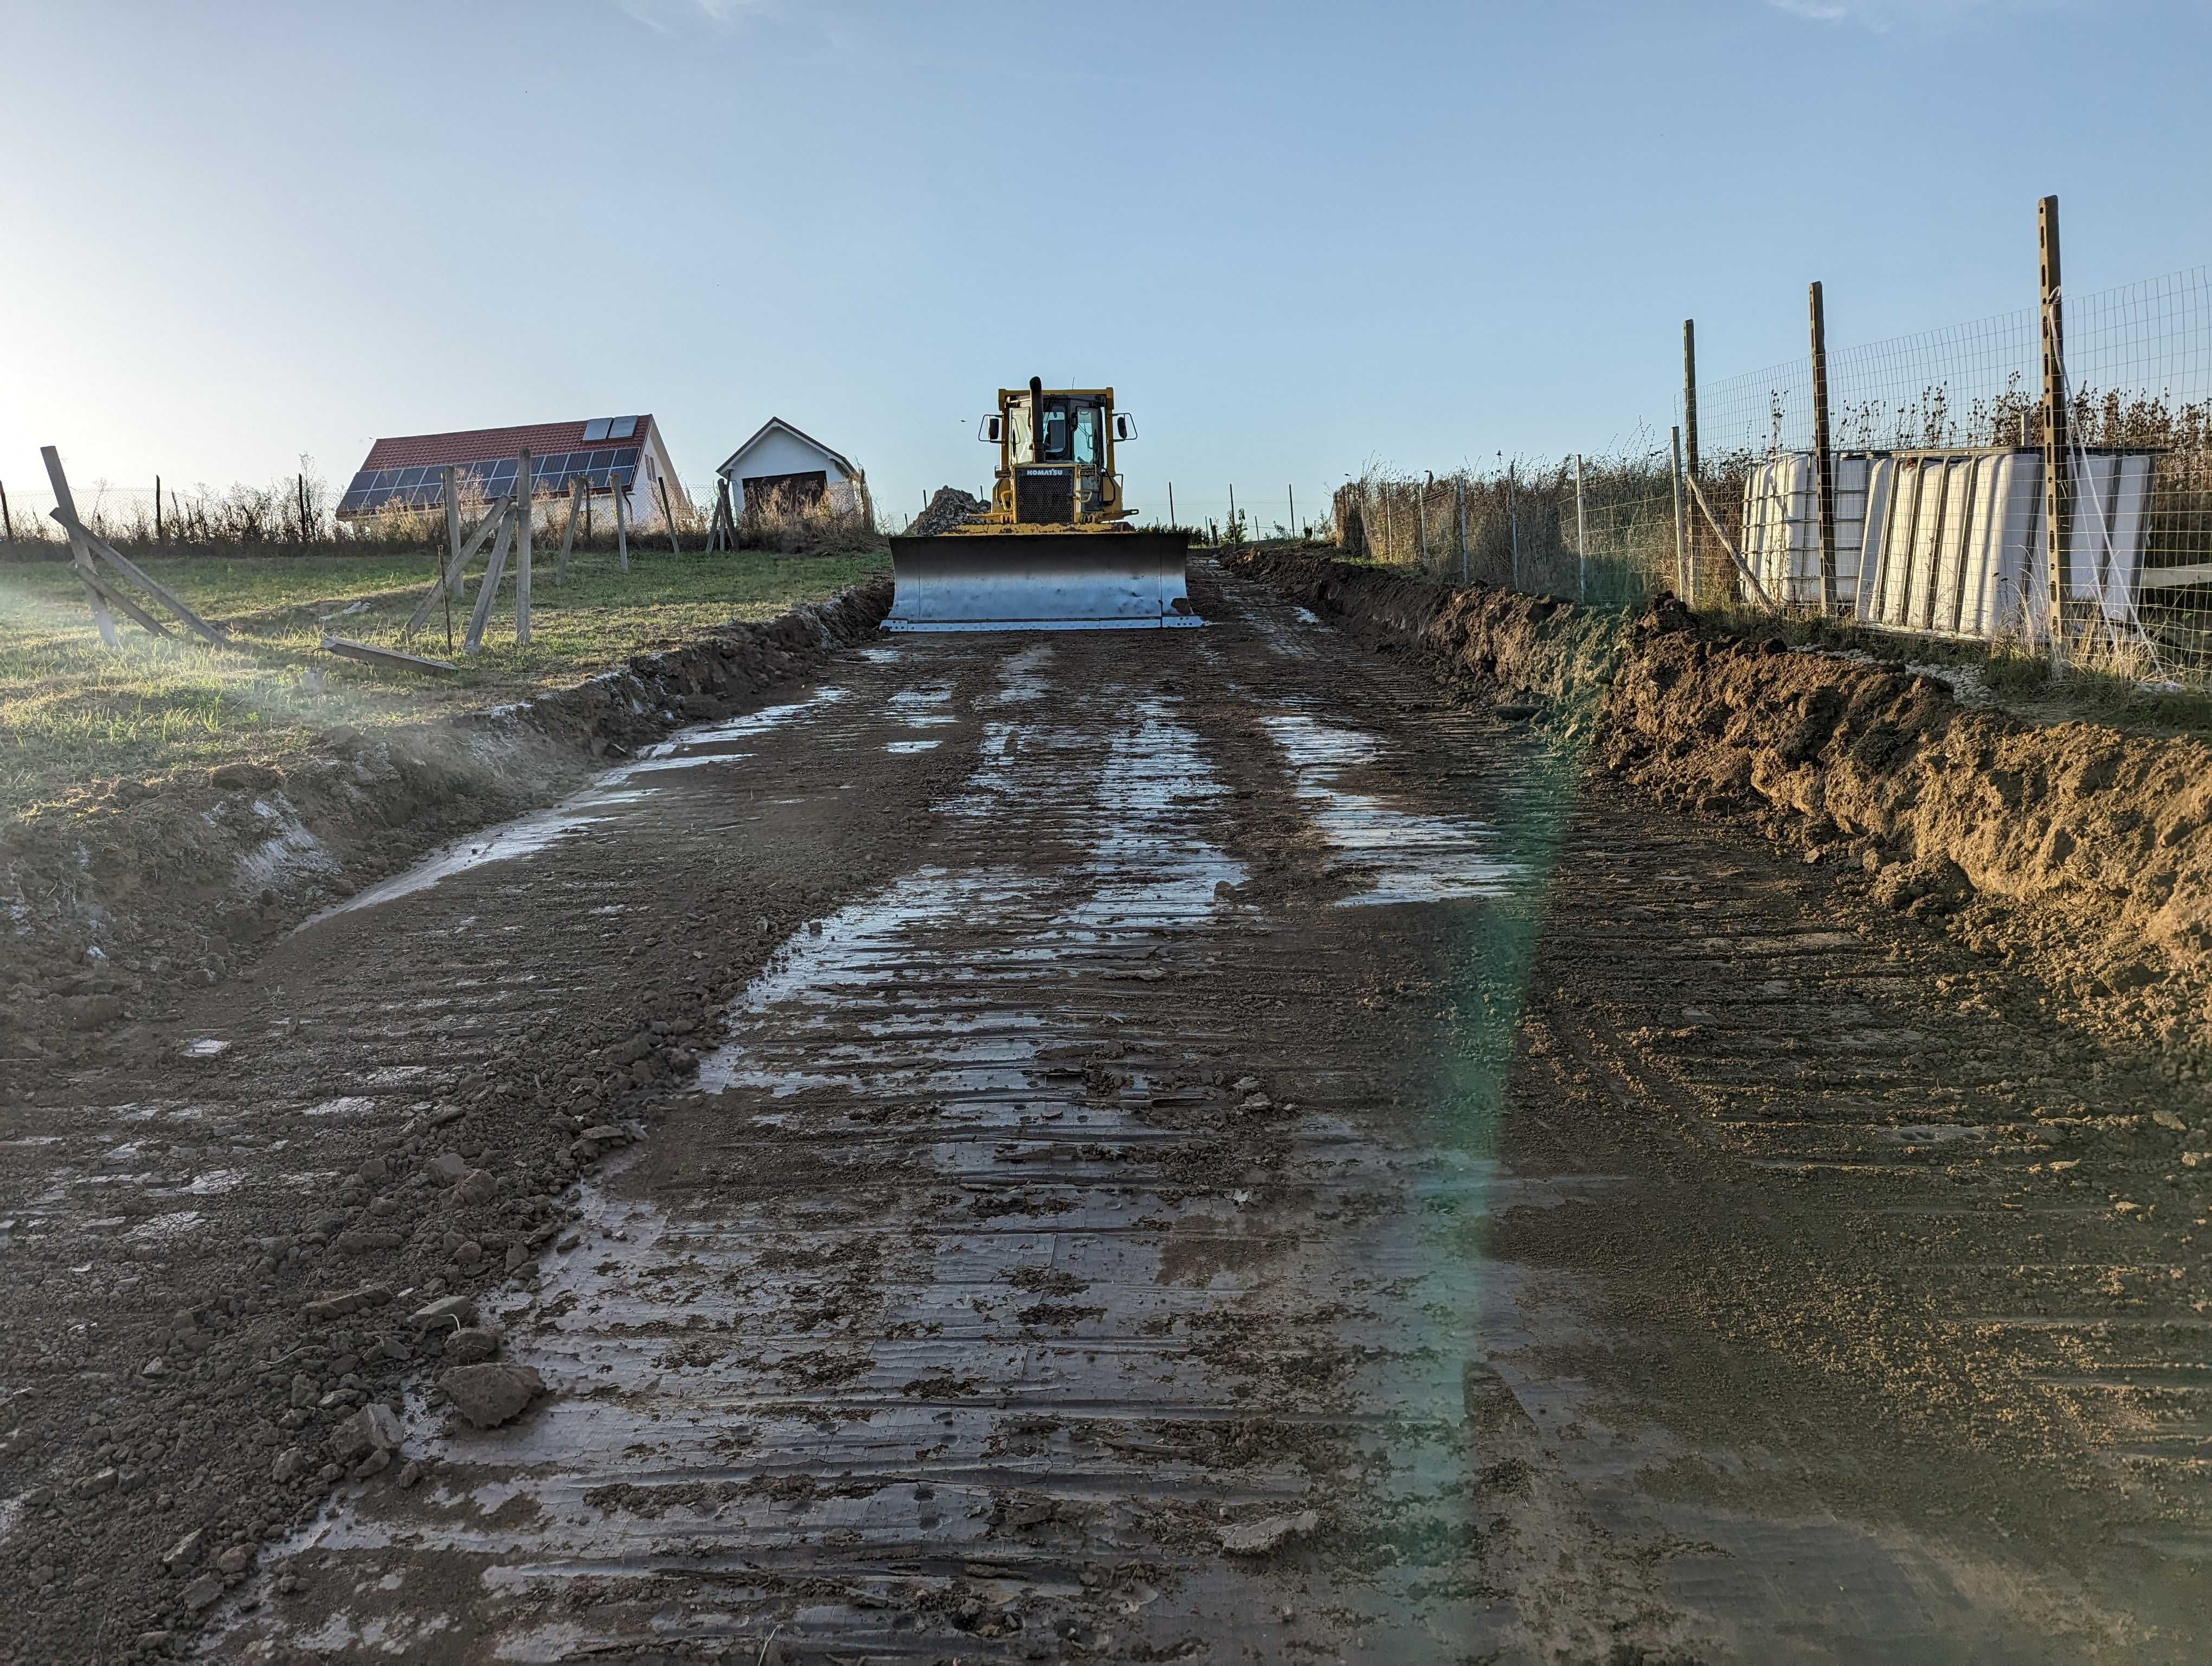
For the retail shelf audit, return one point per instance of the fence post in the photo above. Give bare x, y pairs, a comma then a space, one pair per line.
1690, 433
7, 520
523, 517
2057, 453
157, 512
1582, 538
1292, 493
669, 515
453, 481
1513, 519
1171, 513
1674, 475
1459, 516
1823, 459
1421, 517
622, 521
1690, 395
80, 553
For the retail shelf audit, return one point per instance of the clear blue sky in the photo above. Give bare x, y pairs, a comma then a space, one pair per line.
1293, 237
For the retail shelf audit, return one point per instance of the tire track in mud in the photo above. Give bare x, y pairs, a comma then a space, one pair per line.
1870, 1294
971, 1307
1010, 1262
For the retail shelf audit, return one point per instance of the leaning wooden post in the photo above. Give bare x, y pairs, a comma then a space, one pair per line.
7, 520
622, 521
488, 586
80, 552
2057, 450
523, 516
577, 497
1681, 541
669, 515
157, 512
1824, 459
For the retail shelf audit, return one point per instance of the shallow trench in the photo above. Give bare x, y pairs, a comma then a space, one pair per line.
1131, 1167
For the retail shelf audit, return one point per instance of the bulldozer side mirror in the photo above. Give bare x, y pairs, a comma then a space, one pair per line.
991, 430
1125, 426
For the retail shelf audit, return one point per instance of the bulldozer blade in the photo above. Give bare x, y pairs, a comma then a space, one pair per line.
1040, 581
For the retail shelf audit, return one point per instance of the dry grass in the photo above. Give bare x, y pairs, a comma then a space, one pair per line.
75, 718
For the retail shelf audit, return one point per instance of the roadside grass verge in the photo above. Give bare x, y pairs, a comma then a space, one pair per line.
76, 720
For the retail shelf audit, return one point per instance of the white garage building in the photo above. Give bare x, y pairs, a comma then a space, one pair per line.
779, 459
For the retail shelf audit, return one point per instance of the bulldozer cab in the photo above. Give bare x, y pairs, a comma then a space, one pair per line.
1056, 456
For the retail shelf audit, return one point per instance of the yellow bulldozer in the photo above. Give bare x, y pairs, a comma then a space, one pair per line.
1055, 551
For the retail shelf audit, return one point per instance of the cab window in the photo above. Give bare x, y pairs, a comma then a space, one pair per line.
1086, 435
1052, 444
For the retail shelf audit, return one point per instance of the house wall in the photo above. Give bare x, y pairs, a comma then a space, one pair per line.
653, 464
778, 453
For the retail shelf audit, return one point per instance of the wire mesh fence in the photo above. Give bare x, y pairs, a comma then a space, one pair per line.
297, 518
1596, 529
1945, 493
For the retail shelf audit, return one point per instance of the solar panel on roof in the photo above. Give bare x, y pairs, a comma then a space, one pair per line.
597, 427
621, 427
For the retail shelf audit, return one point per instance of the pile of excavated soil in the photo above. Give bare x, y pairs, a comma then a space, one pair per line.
2072, 845
949, 506
178, 884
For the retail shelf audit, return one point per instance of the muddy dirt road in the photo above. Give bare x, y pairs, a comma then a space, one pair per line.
1198, 1149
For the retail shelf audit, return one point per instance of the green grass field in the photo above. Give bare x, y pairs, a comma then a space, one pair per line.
75, 717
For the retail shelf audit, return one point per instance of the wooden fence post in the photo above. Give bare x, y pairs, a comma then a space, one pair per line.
157, 512
80, 552
669, 515
1690, 394
622, 521
7, 520
1690, 429
2057, 450
1292, 492
1513, 519
524, 513
578, 496
1824, 459
1171, 518
454, 546
1582, 537
1458, 518
488, 586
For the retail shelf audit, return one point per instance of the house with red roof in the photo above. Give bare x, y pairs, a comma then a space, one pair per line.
610, 455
